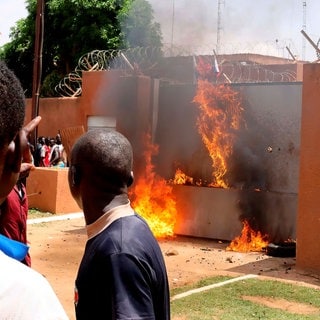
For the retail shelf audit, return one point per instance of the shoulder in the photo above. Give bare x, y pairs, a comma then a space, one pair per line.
127, 234
120, 235
37, 299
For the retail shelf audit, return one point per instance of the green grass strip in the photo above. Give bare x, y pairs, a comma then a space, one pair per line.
230, 302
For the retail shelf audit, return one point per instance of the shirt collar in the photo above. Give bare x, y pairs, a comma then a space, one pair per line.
107, 218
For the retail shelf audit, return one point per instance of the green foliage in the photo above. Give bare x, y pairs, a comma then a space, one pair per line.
77, 27
138, 27
228, 303
49, 83
73, 28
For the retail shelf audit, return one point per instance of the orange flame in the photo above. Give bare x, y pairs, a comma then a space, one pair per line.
204, 68
218, 122
152, 197
249, 240
182, 178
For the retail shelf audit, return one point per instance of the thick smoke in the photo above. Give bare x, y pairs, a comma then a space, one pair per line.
249, 172
264, 26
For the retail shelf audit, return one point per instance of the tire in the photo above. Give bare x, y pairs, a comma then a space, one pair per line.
283, 250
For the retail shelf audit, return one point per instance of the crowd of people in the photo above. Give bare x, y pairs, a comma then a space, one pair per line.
122, 274
49, 152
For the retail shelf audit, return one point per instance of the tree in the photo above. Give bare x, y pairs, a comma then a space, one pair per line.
138, 27
73, 28
18, 54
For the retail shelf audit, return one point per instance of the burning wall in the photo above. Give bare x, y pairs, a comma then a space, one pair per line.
262, 172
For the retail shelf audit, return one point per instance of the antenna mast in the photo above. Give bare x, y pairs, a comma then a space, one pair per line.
304, 28
219, 25
172, 27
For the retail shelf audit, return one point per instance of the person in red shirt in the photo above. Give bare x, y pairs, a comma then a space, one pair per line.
25, 293
45, 154
13, 217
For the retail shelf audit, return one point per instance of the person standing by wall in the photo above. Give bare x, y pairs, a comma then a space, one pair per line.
54, 156
63, 155
45, 153
37, 151
56, 153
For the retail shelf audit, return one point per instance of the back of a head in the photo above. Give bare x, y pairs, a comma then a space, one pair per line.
12, 105
104, 156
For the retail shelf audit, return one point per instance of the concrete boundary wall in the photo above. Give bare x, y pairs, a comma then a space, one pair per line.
67, 112
48, 190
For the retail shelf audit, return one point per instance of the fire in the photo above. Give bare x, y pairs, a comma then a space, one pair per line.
204, 69
249, 240
152, 197
219, 119
182, 178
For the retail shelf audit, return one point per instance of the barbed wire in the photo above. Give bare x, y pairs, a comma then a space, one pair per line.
147, 61
238, 73
129, 61
276, 48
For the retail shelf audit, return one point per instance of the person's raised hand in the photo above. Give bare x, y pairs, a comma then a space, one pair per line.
26, 164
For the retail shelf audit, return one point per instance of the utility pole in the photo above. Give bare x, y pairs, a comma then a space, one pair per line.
172, 27
219, 25
304, 28
37, 64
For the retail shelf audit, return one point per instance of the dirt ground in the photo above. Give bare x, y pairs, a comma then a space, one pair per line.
56, 249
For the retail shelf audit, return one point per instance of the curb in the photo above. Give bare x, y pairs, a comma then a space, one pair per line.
212, 286
67, 216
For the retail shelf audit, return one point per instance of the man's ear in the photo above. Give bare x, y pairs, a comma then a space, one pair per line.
13, 156
10, 169
75, 175
130, 180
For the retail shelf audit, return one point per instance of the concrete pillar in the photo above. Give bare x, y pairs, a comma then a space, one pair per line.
308, 222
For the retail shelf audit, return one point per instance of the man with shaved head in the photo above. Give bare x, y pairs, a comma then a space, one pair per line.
122, 274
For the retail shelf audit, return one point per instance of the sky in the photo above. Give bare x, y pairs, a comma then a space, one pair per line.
245, 26
10, 12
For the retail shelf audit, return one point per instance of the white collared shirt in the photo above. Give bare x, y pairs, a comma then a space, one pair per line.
106, 219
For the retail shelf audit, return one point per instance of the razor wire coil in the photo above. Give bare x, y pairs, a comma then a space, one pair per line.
145, 60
